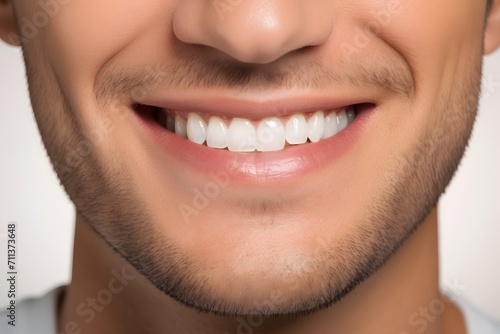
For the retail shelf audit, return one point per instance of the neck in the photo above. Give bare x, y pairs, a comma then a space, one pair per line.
107, 295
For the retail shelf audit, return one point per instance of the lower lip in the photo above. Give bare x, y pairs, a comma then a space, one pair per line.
257, 167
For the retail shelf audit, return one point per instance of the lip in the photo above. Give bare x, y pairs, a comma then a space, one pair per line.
253, 168
259, 107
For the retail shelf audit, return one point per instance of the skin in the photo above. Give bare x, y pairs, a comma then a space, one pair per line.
316, 248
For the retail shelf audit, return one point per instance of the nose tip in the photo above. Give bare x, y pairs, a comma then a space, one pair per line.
252, 31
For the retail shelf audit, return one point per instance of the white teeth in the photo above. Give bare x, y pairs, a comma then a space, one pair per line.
241, 136
316, 125
296, 130
350, 115
331, 127
196, 128
270, 135
180, 126
217, 133
170, 123
342, 121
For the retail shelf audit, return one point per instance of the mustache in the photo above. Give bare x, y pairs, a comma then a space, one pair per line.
198, 71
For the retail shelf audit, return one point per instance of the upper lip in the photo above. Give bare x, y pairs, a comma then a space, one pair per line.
255, 108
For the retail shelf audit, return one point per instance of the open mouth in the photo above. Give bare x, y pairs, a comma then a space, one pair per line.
250, 135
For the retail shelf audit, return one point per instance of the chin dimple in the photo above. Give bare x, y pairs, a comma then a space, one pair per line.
264, 135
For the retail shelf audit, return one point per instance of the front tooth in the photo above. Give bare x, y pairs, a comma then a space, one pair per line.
331, 127
217, 133
196, 128
316, 125
270, 135
342, 120
241, 136
180, 126
296, 130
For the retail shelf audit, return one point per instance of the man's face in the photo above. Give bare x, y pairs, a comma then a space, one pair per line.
235, 232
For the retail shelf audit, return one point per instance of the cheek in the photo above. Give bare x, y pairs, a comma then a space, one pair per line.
81, 36
441, 41
437, 36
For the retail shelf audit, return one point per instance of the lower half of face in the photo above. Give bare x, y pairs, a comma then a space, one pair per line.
298, 176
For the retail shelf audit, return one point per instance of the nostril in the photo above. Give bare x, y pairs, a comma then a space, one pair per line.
255, 32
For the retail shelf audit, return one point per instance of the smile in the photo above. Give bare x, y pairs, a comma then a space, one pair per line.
277, 143
247, 135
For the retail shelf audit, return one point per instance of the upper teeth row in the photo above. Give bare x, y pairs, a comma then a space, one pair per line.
270, 135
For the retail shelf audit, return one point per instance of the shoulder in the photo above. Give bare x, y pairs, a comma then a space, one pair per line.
32, 316
477, 322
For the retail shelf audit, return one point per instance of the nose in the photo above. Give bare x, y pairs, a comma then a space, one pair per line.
254, 31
